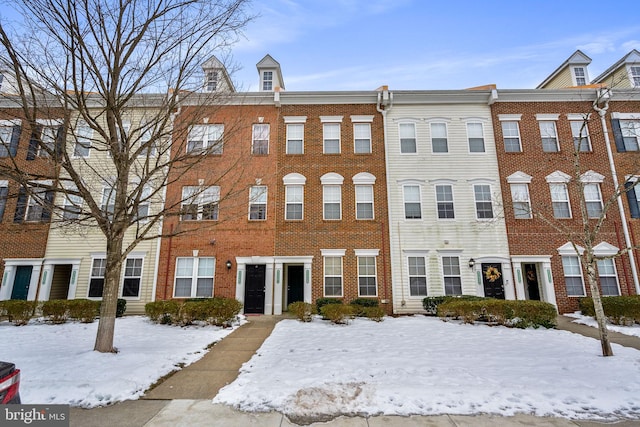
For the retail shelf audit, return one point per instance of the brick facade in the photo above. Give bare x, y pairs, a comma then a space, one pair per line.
535, 237
234, 171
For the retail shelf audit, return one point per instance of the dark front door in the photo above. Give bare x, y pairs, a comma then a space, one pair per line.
492, 281
254, 289
21, 282
295, 283
532, 281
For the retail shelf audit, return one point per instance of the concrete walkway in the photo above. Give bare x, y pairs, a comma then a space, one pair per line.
184, 399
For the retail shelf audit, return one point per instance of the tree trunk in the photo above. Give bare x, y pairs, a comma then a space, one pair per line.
597, 305
107, 322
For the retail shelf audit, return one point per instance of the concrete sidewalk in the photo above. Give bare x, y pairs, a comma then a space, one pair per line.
184, 399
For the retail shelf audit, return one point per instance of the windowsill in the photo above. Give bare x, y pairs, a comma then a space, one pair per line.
294, 154
365, 219
362, 154
331, 154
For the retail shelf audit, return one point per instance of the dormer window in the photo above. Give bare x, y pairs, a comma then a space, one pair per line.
267, 80
634, 75
580, 76
211, 82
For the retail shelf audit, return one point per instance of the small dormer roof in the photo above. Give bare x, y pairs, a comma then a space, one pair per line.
631, 57
269, 64
214, 64
576, 59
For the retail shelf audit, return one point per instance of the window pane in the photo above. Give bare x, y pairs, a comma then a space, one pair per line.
362, 136
407, 138
549, 136
511, 135
476, 137
204, 287
331, 138
439, 138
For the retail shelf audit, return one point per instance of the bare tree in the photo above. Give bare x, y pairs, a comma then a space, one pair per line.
595, 203
118, 71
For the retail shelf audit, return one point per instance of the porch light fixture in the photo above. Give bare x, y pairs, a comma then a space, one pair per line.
228, 264
472, 262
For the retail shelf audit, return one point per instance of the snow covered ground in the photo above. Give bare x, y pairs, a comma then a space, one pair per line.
408, 365
590, 321
58, 364
421, 365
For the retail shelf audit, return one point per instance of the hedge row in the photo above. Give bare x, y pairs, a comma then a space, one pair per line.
335, 310
217, 311
519, 314
19, 312
621, 310
431, 304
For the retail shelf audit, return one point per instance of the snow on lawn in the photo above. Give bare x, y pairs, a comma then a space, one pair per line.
590, 321
421, 365
58, 364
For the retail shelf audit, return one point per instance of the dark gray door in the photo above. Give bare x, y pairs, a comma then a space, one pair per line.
21, 282
295, 283
492, 281
254, 289
532, 281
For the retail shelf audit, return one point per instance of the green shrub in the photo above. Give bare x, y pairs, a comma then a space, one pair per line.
431, 304
190, 311
302, 310
337, 313
360, 304
163, 312
620, 310
222, 311
121, 307
19, 312
374, 313
83, 310
56, 311
321, 302
520, 314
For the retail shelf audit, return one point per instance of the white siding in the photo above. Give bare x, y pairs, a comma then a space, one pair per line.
465, 236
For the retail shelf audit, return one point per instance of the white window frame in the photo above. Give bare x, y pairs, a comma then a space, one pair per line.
329, 193
36, 202
547, 125
573, 272
436, 134
295, 137
580, 132
144, 204
212, 138
362, 133
560, 198
473, 136
580, 77
591, 201
258, 198
100, 268
511, 136
365, 270
194, 276
200, 197
260, 134
48, 136
335, 255
445, 199
414, 273
483, 201
84, 136
610, 271
132, 272
292, 200
412, 201
328, 131
448, 272
518, 200
364, 196
634, 75
267, 80
407, 135
211, 80
630, 130
72, 206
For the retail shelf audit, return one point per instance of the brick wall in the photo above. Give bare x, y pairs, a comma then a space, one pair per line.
535, 236
308, 236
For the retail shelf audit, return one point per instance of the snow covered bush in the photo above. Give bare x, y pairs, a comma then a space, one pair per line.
302, 310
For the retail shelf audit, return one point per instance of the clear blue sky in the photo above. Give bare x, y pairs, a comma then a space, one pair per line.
425, 44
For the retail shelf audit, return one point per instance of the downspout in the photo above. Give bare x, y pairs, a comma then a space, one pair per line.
602, 112
383, 105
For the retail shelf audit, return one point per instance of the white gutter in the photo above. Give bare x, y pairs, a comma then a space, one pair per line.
384, 104
602, 112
